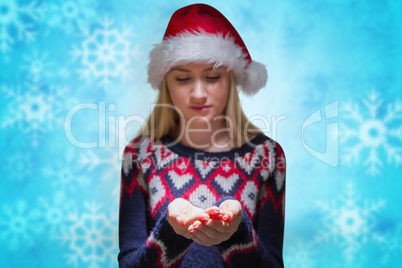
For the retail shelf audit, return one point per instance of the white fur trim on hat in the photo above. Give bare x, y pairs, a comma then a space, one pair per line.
205, 48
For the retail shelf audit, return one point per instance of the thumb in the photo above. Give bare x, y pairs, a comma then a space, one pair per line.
230, 208
177, 211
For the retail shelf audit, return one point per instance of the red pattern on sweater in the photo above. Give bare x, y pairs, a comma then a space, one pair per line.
254, 174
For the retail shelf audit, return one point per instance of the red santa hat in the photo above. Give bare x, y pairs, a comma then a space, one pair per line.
200, 33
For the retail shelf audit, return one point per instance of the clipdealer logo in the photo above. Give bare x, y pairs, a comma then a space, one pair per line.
116, 128
330, 114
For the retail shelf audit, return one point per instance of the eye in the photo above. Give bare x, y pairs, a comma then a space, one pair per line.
213, 77
182, 79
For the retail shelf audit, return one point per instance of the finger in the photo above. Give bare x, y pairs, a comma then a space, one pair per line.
180, 221
218, 216
204, 238
212, 211
198, 225
178, 218
218, 231
177, 207
228, 216
215, 213
212, 223
194, 226
185, 211
218, 225
201, 217
198, 241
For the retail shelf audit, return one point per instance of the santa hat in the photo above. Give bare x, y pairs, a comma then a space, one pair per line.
200, 33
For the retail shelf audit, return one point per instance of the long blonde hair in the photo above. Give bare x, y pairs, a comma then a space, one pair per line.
165, 118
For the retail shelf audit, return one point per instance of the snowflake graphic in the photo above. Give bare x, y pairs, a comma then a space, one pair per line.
64, 174
301, 255
391, 246
37, 66
372, 133
53, 211
352, 222
35, 110
19, 224
70, 16
16, 22
92, 237
106, 54
18, 165
108, 161
107, 158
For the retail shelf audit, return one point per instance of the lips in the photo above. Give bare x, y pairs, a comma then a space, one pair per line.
200, 108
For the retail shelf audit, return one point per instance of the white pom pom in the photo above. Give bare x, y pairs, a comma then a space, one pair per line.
255, 78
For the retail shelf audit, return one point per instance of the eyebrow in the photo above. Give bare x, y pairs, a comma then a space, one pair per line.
188, 71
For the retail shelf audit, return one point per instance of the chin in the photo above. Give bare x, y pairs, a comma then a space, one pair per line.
200, 120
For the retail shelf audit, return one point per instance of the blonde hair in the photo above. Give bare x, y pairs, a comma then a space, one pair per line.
165, 118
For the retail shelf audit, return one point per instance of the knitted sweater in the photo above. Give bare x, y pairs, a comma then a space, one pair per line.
155, 172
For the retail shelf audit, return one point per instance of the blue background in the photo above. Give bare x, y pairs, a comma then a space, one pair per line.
73, 72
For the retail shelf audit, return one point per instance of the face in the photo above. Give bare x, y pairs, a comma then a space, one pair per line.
199, 91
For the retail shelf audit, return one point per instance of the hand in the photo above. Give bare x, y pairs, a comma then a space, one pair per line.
181, 214
217, 229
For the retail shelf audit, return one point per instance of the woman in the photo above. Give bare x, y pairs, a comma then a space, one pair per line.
201, 186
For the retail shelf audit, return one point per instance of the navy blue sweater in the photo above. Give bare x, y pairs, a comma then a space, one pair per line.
155, 172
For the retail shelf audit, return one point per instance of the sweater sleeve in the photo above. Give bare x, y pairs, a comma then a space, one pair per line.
143, 245
259, 243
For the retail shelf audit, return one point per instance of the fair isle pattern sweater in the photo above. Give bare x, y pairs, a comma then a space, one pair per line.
155, 172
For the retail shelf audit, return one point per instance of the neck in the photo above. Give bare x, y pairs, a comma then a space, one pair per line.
213, 137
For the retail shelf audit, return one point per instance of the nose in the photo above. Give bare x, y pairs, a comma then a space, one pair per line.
199, 91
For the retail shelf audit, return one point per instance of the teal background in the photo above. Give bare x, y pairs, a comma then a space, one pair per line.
75, 71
